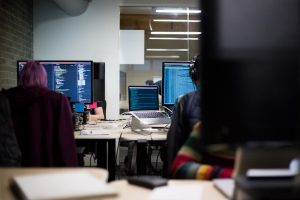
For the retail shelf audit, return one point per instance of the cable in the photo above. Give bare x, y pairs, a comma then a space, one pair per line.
126, 113
157, 160
166, 128
168, 109
128, 124
92, 156
118, 146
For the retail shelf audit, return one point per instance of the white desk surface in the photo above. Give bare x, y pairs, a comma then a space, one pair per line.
115, 128
132, 192
117, 132
7, 173
125, 191
131, 135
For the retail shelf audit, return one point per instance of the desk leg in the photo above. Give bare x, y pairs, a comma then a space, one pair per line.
141, 157
111, 162
106, 150
102, 154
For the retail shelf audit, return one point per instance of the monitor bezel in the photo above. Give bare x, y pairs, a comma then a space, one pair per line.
53, 61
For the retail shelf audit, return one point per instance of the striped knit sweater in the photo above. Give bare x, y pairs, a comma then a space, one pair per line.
187, 164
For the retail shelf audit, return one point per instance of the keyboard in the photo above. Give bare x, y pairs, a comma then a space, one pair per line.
150, 114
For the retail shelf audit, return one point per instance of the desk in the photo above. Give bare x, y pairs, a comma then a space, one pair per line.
142, 139
106, 147
106, 144
132, 192
125, 190
7, 173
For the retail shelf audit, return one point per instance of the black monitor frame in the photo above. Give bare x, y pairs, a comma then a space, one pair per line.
67, 61
250, 79
163, 80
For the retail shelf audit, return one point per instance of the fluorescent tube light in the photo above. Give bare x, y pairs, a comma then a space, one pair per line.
163, 56
171, 38
174, 33
167, 49
178, 11
177, 20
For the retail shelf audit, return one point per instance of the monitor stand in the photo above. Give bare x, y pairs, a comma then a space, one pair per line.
137, 125
264, 156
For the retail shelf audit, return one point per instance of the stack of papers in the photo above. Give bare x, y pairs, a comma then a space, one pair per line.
95, 132
63, 185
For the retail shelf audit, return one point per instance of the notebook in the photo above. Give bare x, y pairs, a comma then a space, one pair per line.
144, 105
62, 185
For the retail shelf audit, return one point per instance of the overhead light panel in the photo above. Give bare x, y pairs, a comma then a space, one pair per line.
174, 57
183, 11
172, 38
174, 33
177, 20
167, 49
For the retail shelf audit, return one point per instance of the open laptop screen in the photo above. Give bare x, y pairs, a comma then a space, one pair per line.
143, 98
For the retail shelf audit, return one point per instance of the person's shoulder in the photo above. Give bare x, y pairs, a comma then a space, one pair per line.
188, 96
55, 95
5, 91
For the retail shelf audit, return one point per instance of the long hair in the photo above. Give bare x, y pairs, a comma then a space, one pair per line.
33, 74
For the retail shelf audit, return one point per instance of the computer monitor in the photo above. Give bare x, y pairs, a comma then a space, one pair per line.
250, 81
176, 81
250, 78
72, 78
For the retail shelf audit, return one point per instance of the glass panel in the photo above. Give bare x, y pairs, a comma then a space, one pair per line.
169, 36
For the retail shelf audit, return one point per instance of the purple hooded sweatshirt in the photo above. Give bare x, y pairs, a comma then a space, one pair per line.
43, 124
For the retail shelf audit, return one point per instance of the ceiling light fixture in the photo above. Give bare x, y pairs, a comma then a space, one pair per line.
171, 38
167, 49
178, 11
177, 20
174, 33
163, 56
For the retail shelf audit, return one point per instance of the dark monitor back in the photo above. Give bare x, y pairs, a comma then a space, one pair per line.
99, 81
250, 78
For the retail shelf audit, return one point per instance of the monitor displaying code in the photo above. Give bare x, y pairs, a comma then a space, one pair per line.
176, 81
72, 78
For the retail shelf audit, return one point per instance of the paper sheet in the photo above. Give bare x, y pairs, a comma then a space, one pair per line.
95, 132
179, 192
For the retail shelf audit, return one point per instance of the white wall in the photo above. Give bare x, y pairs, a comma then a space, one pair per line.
138, 74
94, 35
132, 46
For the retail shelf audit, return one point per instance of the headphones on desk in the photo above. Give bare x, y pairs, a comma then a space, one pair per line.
195, 68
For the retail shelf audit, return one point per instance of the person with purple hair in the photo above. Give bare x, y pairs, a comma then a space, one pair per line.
42, 120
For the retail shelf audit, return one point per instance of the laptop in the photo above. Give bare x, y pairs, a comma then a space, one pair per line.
144, 105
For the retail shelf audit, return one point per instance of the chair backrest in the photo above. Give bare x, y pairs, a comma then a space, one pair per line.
10, 154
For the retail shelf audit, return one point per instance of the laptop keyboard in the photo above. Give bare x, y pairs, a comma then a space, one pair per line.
150, 114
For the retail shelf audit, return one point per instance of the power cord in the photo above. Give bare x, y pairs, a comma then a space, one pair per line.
170, 112
118, 146
128, 123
